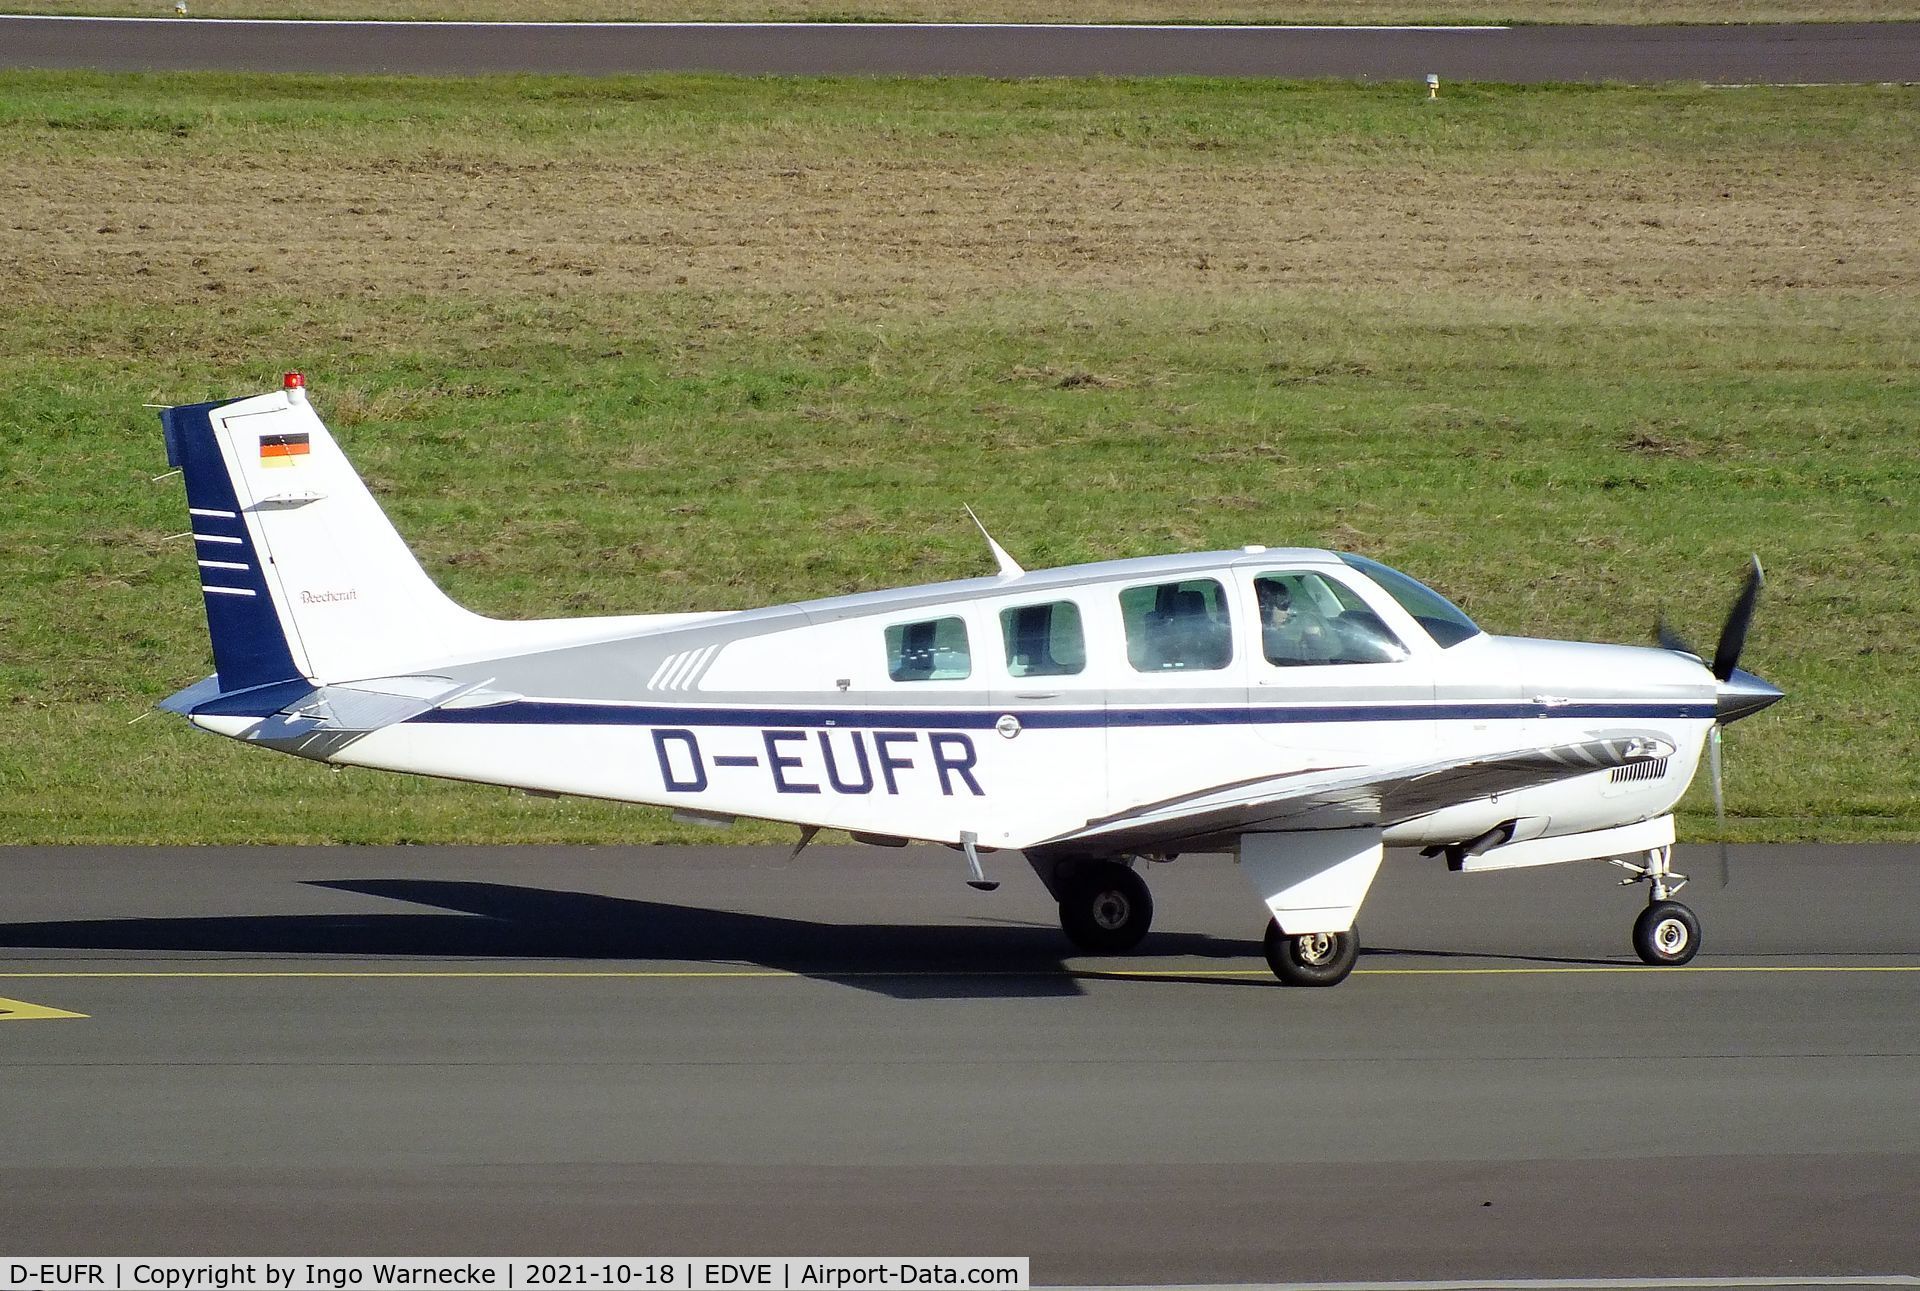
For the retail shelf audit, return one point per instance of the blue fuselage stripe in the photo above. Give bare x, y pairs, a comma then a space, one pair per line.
548, 713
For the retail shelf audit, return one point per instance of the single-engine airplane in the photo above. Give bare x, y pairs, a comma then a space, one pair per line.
1297, 708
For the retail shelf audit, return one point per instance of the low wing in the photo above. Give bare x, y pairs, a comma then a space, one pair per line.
1348, 797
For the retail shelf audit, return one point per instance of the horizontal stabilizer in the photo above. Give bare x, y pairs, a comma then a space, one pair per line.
185, 701
369, 705
284, 714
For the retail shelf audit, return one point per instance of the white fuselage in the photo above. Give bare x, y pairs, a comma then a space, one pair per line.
806, 713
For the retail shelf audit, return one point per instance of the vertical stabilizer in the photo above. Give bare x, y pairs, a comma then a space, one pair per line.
302, 573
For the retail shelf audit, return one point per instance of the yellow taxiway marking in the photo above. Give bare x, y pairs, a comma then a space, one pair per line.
385, 974
1647, 968
21, 1011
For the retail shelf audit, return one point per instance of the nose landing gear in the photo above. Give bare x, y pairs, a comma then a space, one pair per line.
1666, 931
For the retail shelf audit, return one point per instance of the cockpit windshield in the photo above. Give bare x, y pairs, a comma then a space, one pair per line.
1441, 618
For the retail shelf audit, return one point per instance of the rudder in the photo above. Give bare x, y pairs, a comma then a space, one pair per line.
250, 646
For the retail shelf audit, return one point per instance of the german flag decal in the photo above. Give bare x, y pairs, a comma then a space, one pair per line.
282, 450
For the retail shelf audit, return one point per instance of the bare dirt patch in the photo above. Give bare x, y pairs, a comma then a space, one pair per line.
176, 227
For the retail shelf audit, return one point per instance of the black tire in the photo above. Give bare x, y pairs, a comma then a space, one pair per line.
1105, 908
1319, 959
1666, 933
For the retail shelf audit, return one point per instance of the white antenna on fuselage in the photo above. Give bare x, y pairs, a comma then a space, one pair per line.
1009, 567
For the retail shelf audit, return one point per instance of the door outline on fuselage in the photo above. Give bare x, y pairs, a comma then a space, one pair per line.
1311, 715
1044, 723
1174, 731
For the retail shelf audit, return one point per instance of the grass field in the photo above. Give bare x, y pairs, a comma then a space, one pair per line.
1570, 354
1342, 12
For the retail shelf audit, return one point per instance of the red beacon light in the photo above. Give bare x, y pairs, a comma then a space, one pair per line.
293, 381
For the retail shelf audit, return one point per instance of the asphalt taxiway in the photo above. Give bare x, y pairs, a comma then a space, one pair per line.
1784, 53
540, 1051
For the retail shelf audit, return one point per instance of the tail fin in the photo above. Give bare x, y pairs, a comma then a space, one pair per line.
303, 575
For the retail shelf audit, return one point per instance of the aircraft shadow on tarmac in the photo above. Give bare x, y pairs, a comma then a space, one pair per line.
505, 921
489, 921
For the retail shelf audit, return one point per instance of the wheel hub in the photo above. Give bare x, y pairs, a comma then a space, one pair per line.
1671, 936
1111, 910
1315, 948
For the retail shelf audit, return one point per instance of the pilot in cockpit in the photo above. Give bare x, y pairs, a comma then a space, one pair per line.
1291, 634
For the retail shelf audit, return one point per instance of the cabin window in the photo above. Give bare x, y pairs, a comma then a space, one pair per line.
1044, 640
1309, 620
935, 650
1443, 620
1177, 626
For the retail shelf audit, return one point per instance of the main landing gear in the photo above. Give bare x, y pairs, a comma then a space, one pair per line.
1666, 931
1314, 959
1105, 907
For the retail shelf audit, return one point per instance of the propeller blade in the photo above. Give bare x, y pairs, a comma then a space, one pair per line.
1733, 636
1719, 801
1672, 640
